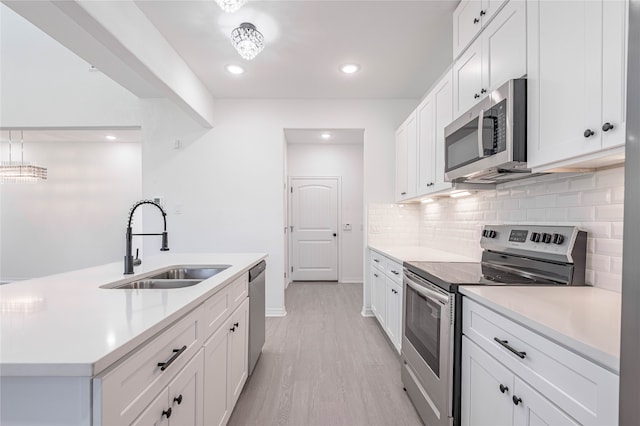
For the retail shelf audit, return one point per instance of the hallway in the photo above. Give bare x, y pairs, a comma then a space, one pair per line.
325, 364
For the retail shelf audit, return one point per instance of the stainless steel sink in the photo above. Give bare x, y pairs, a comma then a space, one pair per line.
158, 284
189, 273
169, 278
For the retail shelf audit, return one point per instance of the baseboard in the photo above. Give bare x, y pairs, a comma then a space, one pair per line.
367, 312
275, 312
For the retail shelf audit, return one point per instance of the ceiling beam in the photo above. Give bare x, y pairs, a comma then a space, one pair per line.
119, 40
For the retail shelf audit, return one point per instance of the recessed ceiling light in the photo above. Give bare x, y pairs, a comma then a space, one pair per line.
325, 135
235, 69
110, 137
349, 68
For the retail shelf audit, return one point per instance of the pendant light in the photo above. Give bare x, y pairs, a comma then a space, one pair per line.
20, 171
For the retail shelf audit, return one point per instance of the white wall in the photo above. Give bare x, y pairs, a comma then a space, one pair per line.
74, 219
227, 182
46, 85
346, 161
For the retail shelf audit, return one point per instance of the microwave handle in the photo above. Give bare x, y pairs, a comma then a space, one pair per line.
480, 144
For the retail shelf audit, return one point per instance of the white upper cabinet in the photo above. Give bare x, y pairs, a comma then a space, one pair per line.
577, 73
469, 18
433, 114
406, 165
497, 55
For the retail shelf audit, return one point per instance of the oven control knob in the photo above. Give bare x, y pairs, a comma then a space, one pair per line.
484, 232
546, 238
558, 238
492, 234
535, 237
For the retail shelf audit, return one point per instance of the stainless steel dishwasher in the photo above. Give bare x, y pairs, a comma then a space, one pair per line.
256, 313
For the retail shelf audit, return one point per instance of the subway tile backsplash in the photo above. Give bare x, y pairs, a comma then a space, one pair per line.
592, 201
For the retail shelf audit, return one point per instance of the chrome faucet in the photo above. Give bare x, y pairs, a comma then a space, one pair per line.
128, 257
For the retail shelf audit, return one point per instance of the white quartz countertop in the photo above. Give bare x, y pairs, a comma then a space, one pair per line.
66, 325
420, 254
585, 320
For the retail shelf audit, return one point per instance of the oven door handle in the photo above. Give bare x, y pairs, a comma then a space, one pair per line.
428, 293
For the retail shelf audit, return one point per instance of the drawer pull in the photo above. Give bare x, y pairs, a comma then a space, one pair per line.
163, 365
178, 399
167, 412
376, 260
505, 343
395, 272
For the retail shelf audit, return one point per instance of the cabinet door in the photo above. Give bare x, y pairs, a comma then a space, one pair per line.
394, 312
401, 163
157, 412
216, 404
533, 409
443, 106
237, 361
504, 45
412, 159
426, 145
376, 276
487, 388
186, 394
379, 287
467, 78
565, 73
489, 8
614, 71
466, 24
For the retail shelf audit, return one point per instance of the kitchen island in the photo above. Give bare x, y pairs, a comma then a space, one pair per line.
66, 342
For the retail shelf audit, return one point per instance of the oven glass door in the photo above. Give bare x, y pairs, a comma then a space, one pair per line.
424, 317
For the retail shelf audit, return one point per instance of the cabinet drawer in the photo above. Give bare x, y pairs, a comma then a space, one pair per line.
218, 307
378, 260
584, 390
238, 291
394, 270
127, 389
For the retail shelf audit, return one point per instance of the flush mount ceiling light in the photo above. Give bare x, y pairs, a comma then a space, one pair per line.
349, 68
247, 40
235, 69
230, 6
20, 171
325, 135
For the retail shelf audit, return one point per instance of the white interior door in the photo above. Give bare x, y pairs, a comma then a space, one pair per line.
314, 233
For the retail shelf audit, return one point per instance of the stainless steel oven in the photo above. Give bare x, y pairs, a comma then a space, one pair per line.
427, 346
432, 335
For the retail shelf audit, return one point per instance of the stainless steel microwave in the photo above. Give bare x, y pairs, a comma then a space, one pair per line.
488, 143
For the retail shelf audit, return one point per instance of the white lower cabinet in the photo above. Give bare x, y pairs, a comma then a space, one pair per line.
180, 403
386, 295
188, 375
512, 375
494, 396
225, 367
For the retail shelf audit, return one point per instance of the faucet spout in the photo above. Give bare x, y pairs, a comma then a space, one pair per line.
128, 257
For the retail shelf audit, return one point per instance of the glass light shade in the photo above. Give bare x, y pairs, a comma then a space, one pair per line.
230, 6
247, 40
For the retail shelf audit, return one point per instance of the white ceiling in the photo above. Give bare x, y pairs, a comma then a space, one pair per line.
133, 135
402, 47
338, 136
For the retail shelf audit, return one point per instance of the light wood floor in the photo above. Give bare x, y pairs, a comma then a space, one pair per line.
325, 364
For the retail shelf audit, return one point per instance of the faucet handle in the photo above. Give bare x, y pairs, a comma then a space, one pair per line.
137, 261
165, 241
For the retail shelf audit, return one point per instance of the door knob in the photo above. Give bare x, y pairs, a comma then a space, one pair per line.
476, 20
335, 235
607, 126
476, 96
588, 133
516, 400
503, 388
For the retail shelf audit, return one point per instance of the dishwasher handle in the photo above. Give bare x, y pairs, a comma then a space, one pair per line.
257, 270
